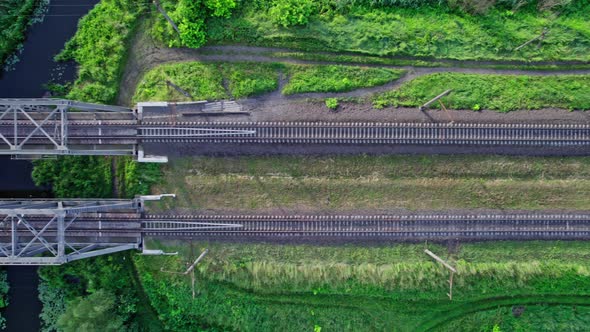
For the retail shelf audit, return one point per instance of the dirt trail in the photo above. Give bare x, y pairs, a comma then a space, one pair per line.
146, 54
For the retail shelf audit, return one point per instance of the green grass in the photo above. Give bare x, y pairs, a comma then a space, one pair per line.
208, 81
377, 182
212, 81
336, 78
265, 287
14, 17
535, 318
495, 92
436, 32
99, 48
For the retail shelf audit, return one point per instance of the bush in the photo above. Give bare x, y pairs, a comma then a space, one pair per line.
91, 313
332, 103
191, 17
291, 12
75, 176
99, 49
14, 16
54, 305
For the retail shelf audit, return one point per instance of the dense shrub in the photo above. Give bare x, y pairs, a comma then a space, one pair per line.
77, 284
75, 176
331, 103
190, 16
99, 49
14, 16
291, 12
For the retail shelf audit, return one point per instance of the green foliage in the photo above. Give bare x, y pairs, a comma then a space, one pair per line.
332, 103
4, 286
336, 78
543, 318
251, 79
91, 313
137, 178
495, 92
291, 12
112, 277
431, 31
191, 17
14, 17
205, 81
75, 176
54, 305
336, 287
99, 49
220, 8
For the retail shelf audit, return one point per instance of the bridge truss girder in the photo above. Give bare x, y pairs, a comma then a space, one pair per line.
21, 240
54, 113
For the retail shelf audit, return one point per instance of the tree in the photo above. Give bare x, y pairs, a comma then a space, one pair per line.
93, 313
291, 12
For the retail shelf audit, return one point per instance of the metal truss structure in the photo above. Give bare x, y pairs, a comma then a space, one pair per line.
54, 232
39, 126
33, 227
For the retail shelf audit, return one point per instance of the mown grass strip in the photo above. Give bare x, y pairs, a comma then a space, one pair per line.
495, 92
384, 182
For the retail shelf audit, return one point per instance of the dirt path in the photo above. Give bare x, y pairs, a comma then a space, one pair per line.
146, 54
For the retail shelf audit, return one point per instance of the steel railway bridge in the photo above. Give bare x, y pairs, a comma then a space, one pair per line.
42, 127
53, 232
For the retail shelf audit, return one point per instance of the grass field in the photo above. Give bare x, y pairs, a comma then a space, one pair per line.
266, 287
14, 17
377, 182
496, 92
336, 78
211, 81
436, 31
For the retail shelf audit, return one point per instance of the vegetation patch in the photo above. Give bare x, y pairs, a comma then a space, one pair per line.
433, 30
376, 182
495, 92
96, 294
542, 317
14, 18
358, 288
99, 47
336, 78
207, 81
92, 176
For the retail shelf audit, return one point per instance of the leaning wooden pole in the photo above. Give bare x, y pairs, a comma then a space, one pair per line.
423, 107
163, 12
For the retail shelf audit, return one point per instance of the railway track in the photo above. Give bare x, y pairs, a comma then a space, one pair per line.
334, 227
372, 133
107, 132
379, 227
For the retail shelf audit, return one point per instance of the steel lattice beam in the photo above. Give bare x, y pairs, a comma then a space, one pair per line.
32, 227
46, 121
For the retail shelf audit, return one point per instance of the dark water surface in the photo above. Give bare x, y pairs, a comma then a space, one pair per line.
36, 67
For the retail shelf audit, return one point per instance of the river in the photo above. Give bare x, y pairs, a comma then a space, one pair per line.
35, 68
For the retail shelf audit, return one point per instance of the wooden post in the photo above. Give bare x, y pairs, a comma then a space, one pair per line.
445, 264
179, 89
161, 10
450, 294
423, 107
540, 37
446, 111
191, 269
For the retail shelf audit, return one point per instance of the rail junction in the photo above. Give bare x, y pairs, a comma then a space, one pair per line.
53, 232
42, 127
